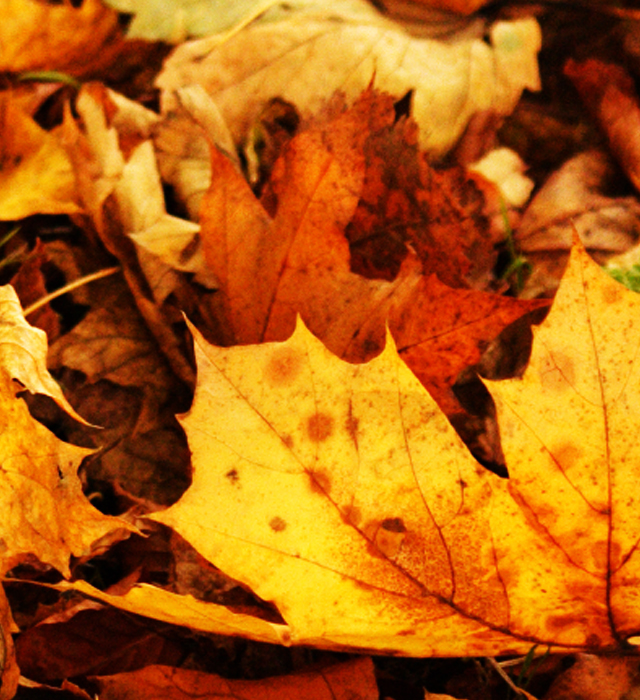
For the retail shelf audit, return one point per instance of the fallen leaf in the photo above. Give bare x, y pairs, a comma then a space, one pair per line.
9, 671
351, 680
304, 53
176, 21
441, 331
47, 516
36, 176
578, 197
97, 641
30, 287
130, 392
45, 512
119, 184
297, 260
597, 677
609, 93
46, 36
340, 492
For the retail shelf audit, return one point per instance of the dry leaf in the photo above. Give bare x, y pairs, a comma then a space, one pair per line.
36, 176
576, 198
340, 492
9, 671
47, 516
609, 93
351, 680
303, 54
597, 677
45, 512
336, 175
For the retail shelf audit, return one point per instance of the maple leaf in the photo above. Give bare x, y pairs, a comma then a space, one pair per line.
304, 52
273, 264
342, 494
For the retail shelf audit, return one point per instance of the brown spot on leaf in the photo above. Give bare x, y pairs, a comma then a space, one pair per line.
283, 367
612, 293
559, 372
287, 440
390, 536
559, 622
567, 455
319, 427
351, 515
319, 482
233, 476
393, 525
351, 426
277, 524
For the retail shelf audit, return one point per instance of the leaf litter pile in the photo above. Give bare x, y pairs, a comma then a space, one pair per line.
319, 350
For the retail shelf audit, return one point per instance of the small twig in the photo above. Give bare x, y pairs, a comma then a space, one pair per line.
70, 287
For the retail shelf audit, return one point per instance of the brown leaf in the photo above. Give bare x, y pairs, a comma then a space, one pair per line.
100, 641
352, 680
442, 330
297, 261
29, 285
609, 93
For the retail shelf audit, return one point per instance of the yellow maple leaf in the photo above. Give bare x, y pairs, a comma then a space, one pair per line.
341, 493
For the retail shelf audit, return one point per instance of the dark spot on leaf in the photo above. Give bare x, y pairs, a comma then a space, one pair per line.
319, 482
351, 515
283, 367
558, 622
233, 476
351, 426
319, 427
287, 440
277, 524
393, 525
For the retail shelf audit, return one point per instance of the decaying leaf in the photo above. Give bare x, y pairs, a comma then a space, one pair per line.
578, 198
304, 52
340, 492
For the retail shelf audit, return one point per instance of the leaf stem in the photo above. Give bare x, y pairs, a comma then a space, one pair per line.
70, 287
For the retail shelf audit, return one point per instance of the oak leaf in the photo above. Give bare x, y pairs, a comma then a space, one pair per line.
340, 492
